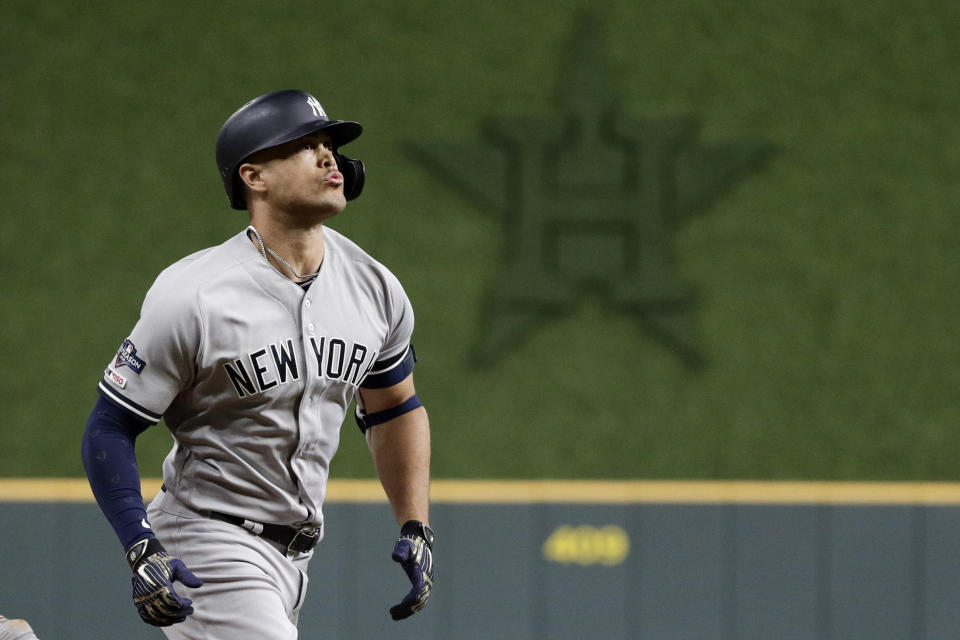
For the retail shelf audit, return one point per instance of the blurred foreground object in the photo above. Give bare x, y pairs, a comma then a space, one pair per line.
15, 630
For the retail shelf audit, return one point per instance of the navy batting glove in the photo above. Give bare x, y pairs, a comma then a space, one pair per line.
414, 551
154, 572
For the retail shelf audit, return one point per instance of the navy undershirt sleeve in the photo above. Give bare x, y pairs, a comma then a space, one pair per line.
390, 371
111, 466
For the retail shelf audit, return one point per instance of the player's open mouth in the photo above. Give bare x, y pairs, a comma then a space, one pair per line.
335, 178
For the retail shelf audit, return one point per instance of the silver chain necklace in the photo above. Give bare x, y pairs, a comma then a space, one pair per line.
264, 250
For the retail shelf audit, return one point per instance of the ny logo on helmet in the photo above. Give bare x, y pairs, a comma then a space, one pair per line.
316, 107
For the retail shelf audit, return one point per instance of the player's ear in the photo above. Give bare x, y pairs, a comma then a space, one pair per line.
252, 176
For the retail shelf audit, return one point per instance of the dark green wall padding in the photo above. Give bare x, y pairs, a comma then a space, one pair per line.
822, 283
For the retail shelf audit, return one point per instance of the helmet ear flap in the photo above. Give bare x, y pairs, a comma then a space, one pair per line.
354, 175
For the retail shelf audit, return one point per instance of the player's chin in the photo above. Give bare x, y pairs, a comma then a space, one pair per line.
332, 192
330, 203
337, 200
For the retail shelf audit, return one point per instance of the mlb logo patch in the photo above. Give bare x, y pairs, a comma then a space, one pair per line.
127, 356
117, 379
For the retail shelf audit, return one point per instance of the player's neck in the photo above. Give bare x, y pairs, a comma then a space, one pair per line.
300, 246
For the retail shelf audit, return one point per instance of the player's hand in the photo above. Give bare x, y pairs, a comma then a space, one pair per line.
414, 551
154, 572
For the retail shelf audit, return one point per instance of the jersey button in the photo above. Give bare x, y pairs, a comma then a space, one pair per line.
306, 302
310, 326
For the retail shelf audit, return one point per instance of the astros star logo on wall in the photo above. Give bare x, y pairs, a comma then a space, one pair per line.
592, 198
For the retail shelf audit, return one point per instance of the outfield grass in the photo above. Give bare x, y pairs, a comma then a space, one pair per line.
823, 280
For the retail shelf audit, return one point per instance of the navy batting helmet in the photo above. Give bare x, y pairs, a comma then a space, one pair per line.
275, 118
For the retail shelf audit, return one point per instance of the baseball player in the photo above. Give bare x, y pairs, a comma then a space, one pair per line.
252, 352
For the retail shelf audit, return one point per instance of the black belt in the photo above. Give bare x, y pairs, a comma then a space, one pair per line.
298, 540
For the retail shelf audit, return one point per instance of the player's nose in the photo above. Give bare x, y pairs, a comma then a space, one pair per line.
325, 156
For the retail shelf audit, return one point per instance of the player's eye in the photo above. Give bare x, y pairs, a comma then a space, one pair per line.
315, 144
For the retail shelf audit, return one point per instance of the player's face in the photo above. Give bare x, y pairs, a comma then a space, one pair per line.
302, 175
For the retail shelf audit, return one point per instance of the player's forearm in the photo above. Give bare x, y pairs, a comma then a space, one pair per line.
110, 463
401, 455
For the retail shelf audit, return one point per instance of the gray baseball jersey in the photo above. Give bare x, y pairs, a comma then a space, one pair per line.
254, 376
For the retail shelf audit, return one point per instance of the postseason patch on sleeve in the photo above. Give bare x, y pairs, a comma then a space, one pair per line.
127, 357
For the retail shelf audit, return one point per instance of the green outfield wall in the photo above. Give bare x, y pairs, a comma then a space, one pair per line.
558, 560
643, 239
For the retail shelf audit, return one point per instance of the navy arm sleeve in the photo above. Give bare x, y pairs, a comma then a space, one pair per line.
111, 466
390, 371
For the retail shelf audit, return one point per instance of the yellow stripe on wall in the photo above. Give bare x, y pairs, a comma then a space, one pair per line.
568, 491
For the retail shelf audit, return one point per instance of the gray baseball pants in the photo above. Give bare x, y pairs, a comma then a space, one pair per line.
251, 588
